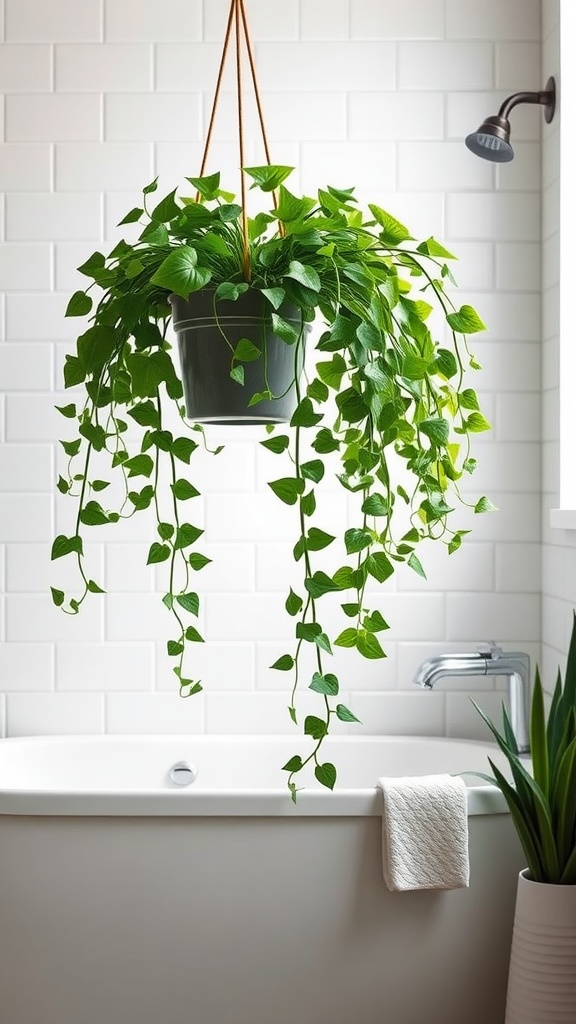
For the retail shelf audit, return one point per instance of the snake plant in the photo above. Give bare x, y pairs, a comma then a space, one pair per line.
542, 802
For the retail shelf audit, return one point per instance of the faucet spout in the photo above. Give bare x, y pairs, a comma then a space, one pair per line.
489, 660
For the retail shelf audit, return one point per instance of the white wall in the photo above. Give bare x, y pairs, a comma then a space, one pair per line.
99, 97
559, 546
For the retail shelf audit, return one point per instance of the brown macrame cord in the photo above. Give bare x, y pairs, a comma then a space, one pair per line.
237, 19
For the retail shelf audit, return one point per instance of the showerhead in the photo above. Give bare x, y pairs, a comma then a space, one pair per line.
492, 139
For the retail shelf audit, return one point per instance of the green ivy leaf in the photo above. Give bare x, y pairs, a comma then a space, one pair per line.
476, 423
468, 399
344, 714
166, 209
326, 774
179, 272
145, 414
327, 684
237, 374
189, 602
375, 505
325, 442
230, 290
69, 411
315, 727
287, 489
174, 648
246, 351
74, 372
313, 470
79, 305
293, 765
375, 622
317, 539
100, 485
139, 465
131, 217
331, 373
393, 232
208, 185
165, 530
350, 609
415, 564
303, 415
284, 663
304, 275
260, 396
277, 444
356, 540
485, 505
194, 636
57, 596
317, 391
183, 490
369, 646
466, 321
198, 561
93, 515
186, 534
182, 448
284, 331
293, 603
437, 429
344, 577
269, 177
308, 631
323, 642
446, 363
379, 566
308, 504
275, 296
319, 584
94, 588
158, 553
347, 638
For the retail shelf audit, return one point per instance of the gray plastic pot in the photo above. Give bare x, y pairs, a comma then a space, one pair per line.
210, 394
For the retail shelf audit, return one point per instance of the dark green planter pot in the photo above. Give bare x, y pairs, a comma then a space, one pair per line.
211, 395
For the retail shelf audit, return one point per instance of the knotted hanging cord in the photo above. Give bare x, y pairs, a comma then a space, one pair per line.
237, 17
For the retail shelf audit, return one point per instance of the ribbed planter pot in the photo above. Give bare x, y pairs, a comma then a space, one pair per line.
542, 978
210, 394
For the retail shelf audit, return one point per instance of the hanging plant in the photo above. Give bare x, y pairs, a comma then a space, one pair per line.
381, 395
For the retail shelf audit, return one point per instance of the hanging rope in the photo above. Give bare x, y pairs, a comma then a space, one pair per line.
237, 19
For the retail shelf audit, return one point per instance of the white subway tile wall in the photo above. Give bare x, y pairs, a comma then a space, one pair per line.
558, 546
99, 97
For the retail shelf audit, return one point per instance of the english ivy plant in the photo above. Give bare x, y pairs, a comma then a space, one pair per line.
384, 397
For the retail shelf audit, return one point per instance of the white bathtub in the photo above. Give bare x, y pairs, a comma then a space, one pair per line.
127, 900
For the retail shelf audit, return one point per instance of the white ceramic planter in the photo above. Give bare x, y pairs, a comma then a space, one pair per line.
542, 979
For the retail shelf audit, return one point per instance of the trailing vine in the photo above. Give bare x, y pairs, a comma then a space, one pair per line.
382, 396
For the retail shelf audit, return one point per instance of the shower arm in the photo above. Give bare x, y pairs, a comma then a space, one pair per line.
545, 97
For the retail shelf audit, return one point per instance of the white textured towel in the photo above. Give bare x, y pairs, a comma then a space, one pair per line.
424, 833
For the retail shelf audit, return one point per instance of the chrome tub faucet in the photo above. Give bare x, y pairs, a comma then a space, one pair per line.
488, 660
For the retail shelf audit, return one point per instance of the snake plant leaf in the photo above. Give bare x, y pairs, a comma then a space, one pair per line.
568, 876
538, 741
563, 802
517, 812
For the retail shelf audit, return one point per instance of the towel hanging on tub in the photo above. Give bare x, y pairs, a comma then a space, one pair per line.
424, 833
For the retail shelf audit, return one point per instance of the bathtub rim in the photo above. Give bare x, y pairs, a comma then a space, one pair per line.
202, 802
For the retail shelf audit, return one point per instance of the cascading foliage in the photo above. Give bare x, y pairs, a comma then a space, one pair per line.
385, 398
